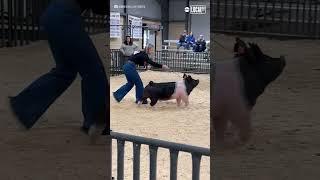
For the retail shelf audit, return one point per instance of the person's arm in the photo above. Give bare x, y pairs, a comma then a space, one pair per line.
135, 47
122, 49
154, 64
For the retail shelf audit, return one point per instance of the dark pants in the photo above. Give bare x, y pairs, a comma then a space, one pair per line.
133, 78
74, 53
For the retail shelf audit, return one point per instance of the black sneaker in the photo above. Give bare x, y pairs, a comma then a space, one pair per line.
115, 97
85, 130
18, 121
105, 131
94, 132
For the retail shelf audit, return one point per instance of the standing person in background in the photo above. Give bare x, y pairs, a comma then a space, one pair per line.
190, 41
127, 49
182, 40
73, 52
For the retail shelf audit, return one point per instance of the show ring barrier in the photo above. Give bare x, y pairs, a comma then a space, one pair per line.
178, 61
154, 145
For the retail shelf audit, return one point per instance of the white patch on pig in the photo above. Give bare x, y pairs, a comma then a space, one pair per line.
180, 90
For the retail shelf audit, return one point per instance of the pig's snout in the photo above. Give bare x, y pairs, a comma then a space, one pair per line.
197, 82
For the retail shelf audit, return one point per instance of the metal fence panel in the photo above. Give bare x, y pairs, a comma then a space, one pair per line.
20, 22
178, 61
290, 18
154, 144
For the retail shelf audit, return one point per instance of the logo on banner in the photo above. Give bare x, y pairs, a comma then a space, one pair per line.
196, 9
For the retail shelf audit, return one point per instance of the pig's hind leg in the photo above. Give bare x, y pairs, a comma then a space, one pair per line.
154, 101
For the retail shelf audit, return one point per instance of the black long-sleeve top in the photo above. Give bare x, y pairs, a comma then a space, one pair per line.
141, 58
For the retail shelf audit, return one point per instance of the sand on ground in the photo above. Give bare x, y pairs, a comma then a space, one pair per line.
54, 149
285, 142
165, 121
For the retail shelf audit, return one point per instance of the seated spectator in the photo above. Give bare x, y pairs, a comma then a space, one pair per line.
182, 40
200, 45
190, 41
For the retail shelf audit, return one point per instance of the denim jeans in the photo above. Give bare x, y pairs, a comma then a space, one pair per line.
133, 78
73, 53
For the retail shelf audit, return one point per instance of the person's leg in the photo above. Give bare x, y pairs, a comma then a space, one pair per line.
34, 100
138, 83
123, 90
69, 34
133, 77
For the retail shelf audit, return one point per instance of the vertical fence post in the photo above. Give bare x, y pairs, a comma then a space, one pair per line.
173, 164
297, 16
136, 161
120, 159
303, 16
15, 21
249, 15
265, 16
257, 10
225, 15
289, 18
310, 18
316, 30
233, 12
315, 12
273, 15
3, 34
218, 8
153, 162
10, 30
281, 16
33, 9
27, 23
196, 159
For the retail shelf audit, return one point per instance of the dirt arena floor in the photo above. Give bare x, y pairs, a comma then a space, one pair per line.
54, 149
165, 121
285, 142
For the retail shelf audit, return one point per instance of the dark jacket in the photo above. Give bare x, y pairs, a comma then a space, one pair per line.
141, 58
100, 7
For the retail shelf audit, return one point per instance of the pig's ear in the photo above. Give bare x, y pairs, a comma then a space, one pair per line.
184, 76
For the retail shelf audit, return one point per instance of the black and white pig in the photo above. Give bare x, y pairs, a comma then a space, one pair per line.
237, 85
179, 90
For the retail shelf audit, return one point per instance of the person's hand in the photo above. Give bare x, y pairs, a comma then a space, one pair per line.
165, 67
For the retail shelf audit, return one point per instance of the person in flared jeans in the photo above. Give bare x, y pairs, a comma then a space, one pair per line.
73, 53
133, 78
132, 75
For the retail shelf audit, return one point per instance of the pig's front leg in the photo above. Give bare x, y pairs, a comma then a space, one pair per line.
178, 101
185, 99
